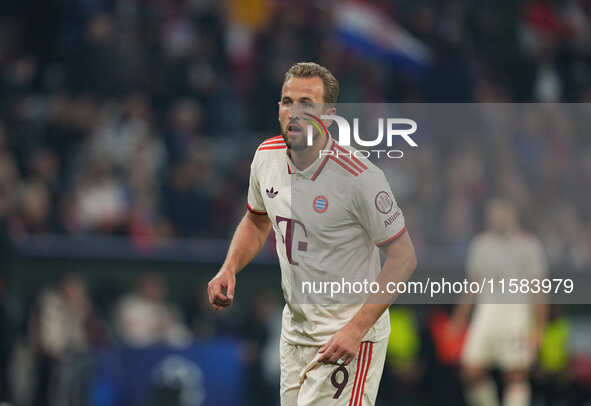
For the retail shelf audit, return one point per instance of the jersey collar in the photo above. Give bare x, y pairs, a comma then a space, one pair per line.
312, 171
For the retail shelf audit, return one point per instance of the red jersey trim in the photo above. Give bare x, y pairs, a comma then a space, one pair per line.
360, 367
348, 152
342, 164
365, 375
253, 211
395, 236
273, 142
273, 147
315, 175
346, 163
277, 137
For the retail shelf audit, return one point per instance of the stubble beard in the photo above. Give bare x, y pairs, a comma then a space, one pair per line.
301, 142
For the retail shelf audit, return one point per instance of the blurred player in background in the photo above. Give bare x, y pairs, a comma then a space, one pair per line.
331, 354
506, 333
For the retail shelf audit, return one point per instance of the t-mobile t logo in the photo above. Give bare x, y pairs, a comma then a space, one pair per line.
288, 238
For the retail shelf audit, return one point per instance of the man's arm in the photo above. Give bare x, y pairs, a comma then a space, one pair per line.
249, 239
400, 263
461, 313
539, 269
541, 316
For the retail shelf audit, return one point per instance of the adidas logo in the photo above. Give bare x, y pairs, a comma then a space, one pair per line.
272, 193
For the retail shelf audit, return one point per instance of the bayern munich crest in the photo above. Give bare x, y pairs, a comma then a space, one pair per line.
320, 204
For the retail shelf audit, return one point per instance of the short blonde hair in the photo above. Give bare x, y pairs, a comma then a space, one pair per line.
311, 70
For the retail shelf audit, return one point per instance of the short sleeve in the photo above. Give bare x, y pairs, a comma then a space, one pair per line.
377, 210
255, 201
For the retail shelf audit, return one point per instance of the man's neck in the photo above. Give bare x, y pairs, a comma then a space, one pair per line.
304, 158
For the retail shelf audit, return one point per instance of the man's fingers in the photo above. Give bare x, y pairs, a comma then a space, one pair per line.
215, 290
220, 297
334, 358
218, 294
340, 354
209, 294
217, 287
230, 290
213, 297
326, 353
332, 354
348, 360
221, 300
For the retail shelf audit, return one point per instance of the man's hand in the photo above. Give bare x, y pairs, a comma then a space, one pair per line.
343, 345
400, 262
225, 280
249, 239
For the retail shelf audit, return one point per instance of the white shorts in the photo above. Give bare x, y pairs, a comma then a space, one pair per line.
307, 382
493, 343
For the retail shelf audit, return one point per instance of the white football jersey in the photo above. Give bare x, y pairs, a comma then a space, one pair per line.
500, 330
519, 256
329, 221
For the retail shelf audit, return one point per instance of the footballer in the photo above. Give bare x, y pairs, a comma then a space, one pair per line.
502, 335
331, 213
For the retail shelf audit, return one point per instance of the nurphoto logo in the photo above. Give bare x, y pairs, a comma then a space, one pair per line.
394, 127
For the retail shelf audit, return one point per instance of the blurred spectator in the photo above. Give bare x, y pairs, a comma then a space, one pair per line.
567, 245
99, 204
65, 323
185, 120
188, 196
34, 211
144, 317
6, 318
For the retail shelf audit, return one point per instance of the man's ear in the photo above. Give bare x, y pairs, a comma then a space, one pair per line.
278, 110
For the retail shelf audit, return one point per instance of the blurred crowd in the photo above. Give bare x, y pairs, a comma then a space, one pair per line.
535, 155
51, 358
54, 358
140, 118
